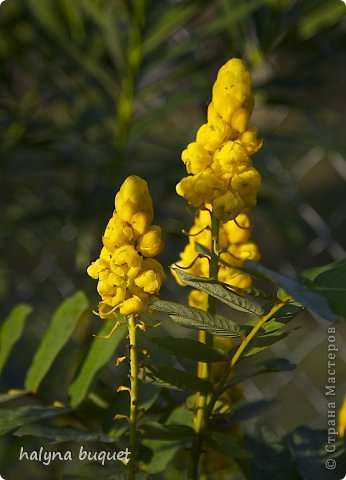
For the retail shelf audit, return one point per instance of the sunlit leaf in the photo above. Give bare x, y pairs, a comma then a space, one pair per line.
100, 352
308, 298
329, 281
195, 318
220, 292
60, 329
11, 331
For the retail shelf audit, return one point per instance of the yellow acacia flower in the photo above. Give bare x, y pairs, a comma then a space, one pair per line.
127, 275
234, 245
219, 161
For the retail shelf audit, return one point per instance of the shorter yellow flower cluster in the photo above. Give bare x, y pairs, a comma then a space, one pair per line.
234, 245
126, 272
219, 161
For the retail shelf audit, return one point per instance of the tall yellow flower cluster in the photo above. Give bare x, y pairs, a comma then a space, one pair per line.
235, 247
126, 272
219, 161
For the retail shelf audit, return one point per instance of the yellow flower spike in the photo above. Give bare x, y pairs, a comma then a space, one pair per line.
129, 240
150, 244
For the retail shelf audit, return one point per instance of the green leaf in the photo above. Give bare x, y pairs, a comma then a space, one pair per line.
157, 431
11, 331
174, 378
8, 397
247, 411
61, 327
329, 281
191, 317
188, 348
220, 292
52, 435
320, 18
228, 445
97, 357
10, 419
307, 297
97, 471
272, 365
169, 19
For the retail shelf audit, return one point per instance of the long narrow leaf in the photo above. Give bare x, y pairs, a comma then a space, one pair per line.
175, 378
191, 317
98, 355
304, 295
220, 292
188, 348
62, 326
11, 331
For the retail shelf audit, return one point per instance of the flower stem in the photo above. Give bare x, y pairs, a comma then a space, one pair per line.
130, 74
203, 369
133, 398
237, 356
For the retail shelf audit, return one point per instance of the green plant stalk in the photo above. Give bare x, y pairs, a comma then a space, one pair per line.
203, 369
134, 55
133, 398
236, 357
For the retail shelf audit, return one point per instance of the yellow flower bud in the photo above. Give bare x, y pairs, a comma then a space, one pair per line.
198, 299
117, 233
250, 142
196, 158
149, 281
140, 222
212, 135
236, 68
133, 197
228, 206
96, 267
126, 259
247, 181
240, 120
237, 230
224, 102
150, 244
132, 305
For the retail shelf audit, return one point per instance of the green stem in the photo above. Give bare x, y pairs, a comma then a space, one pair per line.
133, 398
128, 85
236, 357
203, 369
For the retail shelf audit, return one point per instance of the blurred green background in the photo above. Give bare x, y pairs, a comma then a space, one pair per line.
94, 90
